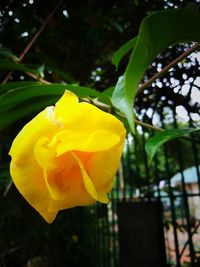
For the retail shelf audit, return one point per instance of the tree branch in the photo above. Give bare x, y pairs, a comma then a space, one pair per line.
33, 40
150, 126
169, 66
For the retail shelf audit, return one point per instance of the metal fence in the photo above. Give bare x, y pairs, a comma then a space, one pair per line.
174, 179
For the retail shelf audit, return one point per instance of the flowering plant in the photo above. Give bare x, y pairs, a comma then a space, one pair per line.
67, 156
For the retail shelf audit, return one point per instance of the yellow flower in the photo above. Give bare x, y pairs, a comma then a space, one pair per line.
67, 156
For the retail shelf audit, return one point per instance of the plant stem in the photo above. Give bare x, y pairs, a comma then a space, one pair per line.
169, 66
152, 79
144, 124
35, 77
33, 40
150, 126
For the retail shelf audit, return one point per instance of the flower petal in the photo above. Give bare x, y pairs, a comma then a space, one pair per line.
96, 141
89, 185
74, 192
65, 105
43, 124
93, 119
25, 171
106, 164
29, 180
85, 117
62, 176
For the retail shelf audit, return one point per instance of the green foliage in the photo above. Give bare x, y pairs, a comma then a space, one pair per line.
154, 143
9, 65
124, 104
7, 54
157, 32
122, 51
19, 99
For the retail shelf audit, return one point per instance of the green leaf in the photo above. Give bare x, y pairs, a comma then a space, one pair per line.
40, 70
20, 99
7, 54
106, 96
157, 32
108, 92
21, 111
122, 51
14, 85
8, 65
154, 143
21, 94
123, 103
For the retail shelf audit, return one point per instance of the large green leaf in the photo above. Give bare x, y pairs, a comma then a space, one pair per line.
14, 85
21, 94
124, 103
21, 111
154, 143
157, 32
122, 51
19, 99
8, 65
7, 54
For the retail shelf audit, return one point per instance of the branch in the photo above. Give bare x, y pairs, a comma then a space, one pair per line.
169, 66
35, 77
33, 40
150, 126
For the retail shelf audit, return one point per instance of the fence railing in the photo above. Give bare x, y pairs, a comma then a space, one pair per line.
174, 179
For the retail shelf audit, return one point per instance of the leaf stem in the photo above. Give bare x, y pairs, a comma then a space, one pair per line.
169, 66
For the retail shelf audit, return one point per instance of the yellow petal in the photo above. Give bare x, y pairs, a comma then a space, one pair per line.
25, 171
43, 124
72, 191
89, 185
102, 197
94, 119
84, 117
102, 167
86, 179
43, 153
29, 180
96, 141
65, 105
60, 174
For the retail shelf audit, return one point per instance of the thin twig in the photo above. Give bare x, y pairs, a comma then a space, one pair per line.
169, 66
33, 40
101, 105
35, 77
7, 188
150, 126
157, 129
144, 124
